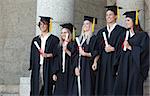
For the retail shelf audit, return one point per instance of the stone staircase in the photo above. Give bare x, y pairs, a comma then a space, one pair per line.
9, 90
9, 94
16, 90
24, 88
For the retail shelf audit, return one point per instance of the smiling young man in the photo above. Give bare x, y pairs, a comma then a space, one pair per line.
42, 59
107, 54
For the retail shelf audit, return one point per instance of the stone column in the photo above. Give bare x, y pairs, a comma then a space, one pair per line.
62, 11
129, 5
147, 29
147, 16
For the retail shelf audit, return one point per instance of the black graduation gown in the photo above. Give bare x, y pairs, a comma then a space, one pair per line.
85, 71
133, 66
48, 66
72, 88
63, 77
105, 75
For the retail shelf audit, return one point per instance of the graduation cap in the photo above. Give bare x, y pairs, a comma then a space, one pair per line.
48, 20
70, 27
133, 15
93, 20
115, 9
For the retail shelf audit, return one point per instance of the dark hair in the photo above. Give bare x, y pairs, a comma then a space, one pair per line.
137, 28
45, 22
113, 10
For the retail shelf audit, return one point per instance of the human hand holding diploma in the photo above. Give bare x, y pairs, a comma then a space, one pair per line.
38, 47
64, 51
108, 47
78, 43
81, 51
126, 44
65, 42
105, 39
41, 51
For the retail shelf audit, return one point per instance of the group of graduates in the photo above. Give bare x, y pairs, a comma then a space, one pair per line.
115, 61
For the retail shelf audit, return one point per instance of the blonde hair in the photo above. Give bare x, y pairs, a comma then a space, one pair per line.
87, 35
61, 40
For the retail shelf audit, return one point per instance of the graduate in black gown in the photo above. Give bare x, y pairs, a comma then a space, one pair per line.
133, 63
83, 86
108, 52
64, 72
42, 59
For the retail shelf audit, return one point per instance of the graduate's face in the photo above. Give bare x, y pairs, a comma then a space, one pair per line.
64, 33
129, 22
110, 17
87, 26
43, 26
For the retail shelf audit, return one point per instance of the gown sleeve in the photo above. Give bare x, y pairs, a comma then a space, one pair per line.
140, 54
31, 55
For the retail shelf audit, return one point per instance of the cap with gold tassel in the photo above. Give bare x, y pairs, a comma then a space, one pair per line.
115, 9
134, 15
50, 25
93, 20
71, 27
48, 20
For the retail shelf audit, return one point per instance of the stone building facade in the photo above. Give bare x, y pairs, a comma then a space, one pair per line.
19, 25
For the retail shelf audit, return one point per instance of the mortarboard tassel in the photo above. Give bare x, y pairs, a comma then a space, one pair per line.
137, 16
50, 26
118, 13
93, 25
73, 34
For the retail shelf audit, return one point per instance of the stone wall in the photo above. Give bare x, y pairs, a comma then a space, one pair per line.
93, 8
17, 28
147, 16
147, 29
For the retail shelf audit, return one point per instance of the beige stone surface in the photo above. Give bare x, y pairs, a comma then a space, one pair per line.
60, 11
9, 89
93, 8
147, 16
17, 28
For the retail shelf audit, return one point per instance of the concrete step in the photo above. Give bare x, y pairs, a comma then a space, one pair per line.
9, 94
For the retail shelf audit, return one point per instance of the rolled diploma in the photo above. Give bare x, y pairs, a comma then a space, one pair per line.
78, 78
65, 44
36, 44
105, 39
126, 38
